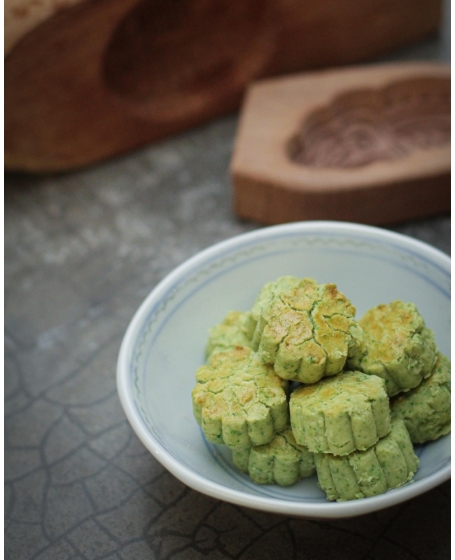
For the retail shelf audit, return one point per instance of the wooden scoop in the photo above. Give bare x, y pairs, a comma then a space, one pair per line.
366, 144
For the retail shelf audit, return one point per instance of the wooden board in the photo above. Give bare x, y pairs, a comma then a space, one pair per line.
366, 144
92, 79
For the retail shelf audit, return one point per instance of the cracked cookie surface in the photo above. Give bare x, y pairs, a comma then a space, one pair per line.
239, 401
304, 329
397, 346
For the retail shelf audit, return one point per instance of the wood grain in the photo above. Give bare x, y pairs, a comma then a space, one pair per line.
368, 144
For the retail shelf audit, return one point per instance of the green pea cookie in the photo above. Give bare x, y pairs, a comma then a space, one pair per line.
304, 329
230, 333
397, 346
238, 400
390, 463
282, 461
426, 410
340, 414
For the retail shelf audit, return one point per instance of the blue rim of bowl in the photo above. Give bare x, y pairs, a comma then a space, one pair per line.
416, 249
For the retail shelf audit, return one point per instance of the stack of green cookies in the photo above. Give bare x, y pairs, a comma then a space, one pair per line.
297, 385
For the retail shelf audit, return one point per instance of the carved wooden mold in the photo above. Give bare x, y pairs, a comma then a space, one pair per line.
364, 144
86, 80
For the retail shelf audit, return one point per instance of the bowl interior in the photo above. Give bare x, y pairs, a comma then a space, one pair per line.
165, 342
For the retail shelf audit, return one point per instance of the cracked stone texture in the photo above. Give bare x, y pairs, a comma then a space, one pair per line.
82, 250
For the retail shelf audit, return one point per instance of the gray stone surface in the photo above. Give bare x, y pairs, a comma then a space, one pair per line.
82, 250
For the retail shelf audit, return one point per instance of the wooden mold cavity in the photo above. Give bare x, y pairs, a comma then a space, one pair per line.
368, 125
176, 57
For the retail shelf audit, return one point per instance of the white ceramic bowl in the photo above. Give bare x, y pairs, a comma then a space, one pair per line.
164, 345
